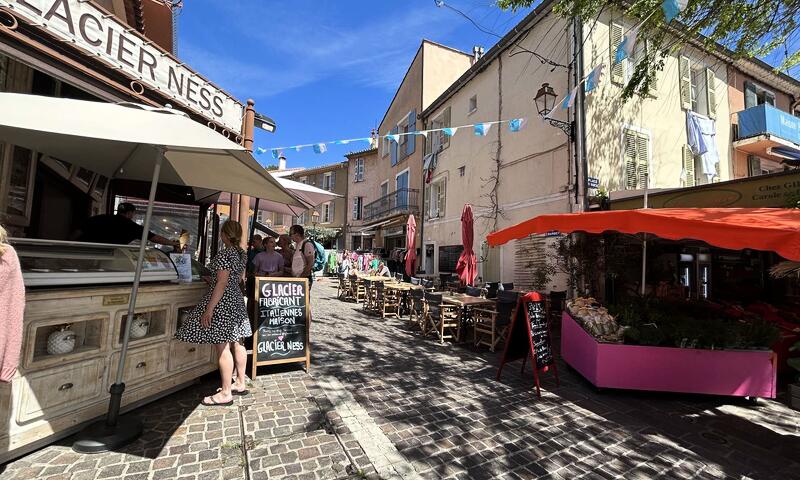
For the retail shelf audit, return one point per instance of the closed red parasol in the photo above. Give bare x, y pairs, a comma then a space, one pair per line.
467, 266
411, 235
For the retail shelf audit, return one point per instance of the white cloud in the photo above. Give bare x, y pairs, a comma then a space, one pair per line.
300, 45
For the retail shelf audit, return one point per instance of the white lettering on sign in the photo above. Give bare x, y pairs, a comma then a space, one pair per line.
104, 37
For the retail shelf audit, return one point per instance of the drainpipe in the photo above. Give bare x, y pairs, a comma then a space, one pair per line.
579, 131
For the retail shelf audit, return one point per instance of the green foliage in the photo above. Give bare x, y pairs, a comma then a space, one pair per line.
270, 168
749, 28
793, 202
322, 234
690, 325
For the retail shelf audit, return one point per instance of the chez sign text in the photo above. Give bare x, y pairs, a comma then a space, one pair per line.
87, 27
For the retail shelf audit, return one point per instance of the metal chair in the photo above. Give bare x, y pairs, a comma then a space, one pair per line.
494, 323
441, 317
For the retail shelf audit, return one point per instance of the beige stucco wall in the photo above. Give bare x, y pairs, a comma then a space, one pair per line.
340, 187
368, 188
534, 170
441, 67
660, 116
736, 79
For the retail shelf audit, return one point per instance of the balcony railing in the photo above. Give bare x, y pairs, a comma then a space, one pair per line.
766, 119
405, 200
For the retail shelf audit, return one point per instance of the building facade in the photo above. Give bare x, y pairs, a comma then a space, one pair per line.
393, 188
361, 166
329, 217
506, 176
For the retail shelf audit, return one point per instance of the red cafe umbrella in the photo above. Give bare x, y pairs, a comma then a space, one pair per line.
411, 235
467, 266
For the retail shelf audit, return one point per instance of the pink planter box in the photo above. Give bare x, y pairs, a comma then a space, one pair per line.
741, 373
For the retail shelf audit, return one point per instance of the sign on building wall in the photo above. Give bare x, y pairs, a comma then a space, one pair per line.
103, 36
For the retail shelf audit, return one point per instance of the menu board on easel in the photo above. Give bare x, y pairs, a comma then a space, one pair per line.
283, 322
529, 338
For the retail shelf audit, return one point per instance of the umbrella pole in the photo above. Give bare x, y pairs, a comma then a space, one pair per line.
644, 244
116, 432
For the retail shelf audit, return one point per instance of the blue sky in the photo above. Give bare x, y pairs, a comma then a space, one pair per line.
324, 69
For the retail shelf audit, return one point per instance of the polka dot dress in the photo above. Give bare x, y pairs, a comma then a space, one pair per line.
230, 322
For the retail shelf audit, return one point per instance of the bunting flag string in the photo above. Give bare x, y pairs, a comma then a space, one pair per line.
479, 129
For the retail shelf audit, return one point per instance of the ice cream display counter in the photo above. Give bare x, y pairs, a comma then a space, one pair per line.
73, 336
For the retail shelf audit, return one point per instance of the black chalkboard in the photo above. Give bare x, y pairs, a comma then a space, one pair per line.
540, 334
283, 321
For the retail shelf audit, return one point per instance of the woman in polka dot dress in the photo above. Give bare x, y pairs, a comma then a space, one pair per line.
221, 316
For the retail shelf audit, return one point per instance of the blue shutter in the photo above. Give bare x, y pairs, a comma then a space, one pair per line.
412, 127
393, 148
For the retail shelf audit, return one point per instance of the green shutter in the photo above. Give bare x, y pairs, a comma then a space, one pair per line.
711, 93
688, 166
685, 82
615, 39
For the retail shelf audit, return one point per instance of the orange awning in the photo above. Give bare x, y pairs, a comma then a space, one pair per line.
769, 229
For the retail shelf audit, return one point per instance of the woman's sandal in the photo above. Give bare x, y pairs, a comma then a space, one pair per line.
214, 403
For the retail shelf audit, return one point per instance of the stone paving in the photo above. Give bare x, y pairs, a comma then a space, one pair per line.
383, 402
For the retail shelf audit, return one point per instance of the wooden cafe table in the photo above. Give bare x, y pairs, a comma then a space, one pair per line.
465, 302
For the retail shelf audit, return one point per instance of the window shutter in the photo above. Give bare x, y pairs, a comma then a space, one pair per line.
427, 200
393, 148
412, 127
355, 208
440, 203
630, 160
688, 166
753, 165
750, 96
446, 138
685, 73
429, 139
769, 98
330, 212
711, 93
642, 161
615, 39
333, 181
648, 50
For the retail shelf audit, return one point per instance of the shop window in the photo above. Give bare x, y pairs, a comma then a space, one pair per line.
16, 184
3, 72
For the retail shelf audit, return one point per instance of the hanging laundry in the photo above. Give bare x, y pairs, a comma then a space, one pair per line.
701, 134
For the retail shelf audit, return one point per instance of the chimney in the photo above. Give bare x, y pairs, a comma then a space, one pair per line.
477, 53
281, 162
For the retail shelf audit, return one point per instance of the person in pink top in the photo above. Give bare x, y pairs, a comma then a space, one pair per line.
12, 306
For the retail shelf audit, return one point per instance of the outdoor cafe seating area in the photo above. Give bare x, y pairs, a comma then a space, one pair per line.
443, 309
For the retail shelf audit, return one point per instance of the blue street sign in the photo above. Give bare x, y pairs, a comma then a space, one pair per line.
592, 182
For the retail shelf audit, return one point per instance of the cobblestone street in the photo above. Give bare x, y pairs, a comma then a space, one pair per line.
383, 402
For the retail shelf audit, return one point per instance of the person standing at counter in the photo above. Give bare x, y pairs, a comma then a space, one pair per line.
119, 229
269, 262
221, 316
12, 306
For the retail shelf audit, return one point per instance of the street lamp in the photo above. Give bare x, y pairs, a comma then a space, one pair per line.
545, 99
314, 222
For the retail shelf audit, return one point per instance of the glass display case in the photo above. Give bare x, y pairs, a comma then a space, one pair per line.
50, 263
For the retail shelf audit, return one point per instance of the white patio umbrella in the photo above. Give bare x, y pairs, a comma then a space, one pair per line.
134, 142
309, 195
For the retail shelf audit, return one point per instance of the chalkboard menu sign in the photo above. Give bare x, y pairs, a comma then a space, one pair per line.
529, 338
283, 321
540, 334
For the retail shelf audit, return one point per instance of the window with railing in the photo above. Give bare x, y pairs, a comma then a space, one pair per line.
405, 200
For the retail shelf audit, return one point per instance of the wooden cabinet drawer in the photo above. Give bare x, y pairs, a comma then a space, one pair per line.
64, 387
141, 365
183, 356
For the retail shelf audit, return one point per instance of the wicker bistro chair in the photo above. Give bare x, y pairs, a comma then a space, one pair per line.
416, 309
386, 300
357, 290
369, 296
491, 326
441, 317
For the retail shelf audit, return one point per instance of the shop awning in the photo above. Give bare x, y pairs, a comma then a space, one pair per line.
121, 141
310, 195
769, 229
790, 155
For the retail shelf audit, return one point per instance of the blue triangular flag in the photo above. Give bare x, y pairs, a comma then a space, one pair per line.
320, 148
261, 151
481, 129
517, 124
672, 8
625, 48
298, 148
450, 131
394, 137
276, 153
594, 78
569, 100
